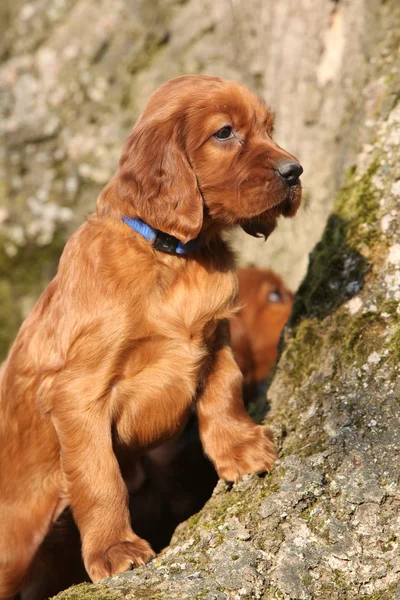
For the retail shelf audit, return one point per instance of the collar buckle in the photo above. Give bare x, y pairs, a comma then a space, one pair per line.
165, 243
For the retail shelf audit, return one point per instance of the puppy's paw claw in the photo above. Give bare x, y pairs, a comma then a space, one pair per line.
255, 453
119, 557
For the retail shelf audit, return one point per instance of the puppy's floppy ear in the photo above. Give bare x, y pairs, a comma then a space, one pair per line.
155, 177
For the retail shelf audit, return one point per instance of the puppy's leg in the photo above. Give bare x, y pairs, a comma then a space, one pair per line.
12, 575
98, 495
234, 443
31, 491
22, 530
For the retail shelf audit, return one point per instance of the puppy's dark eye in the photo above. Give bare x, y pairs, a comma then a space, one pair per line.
224, 134
275, 296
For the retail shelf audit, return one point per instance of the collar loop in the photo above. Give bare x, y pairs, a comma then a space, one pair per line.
162, 241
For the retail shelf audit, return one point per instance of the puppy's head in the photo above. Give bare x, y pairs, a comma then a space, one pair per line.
201, 157
255, 330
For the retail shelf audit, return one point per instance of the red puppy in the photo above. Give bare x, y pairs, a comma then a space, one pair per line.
132, 333
176, 479
265, 307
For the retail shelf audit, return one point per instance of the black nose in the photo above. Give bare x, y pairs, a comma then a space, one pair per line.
290, 171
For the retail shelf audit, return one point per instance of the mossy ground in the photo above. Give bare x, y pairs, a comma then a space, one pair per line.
87, 591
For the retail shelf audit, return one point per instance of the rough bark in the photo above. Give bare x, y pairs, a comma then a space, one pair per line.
325, 523
75, 74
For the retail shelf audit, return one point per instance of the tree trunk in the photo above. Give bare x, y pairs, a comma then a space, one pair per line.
325, 523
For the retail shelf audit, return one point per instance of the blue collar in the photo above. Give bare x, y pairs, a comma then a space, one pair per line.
160, 240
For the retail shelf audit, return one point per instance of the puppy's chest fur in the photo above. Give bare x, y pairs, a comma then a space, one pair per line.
190, 308
164, 370
181, 315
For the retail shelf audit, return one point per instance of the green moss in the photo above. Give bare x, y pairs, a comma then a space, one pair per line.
390, 307
142, 593
307, 580
202, 593
340, 579
273, 488
23, 276
386, 594
88, 591
338, 266
359, 335
387, 545
320, 293
355, 337
303, 351
357, 205
394, 346
272, 593
306, 513
194, 521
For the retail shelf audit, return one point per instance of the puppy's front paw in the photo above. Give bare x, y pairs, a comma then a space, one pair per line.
119, 557
254, 453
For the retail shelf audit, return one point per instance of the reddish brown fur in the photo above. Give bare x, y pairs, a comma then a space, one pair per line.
265, 307
173, 481
126, 339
